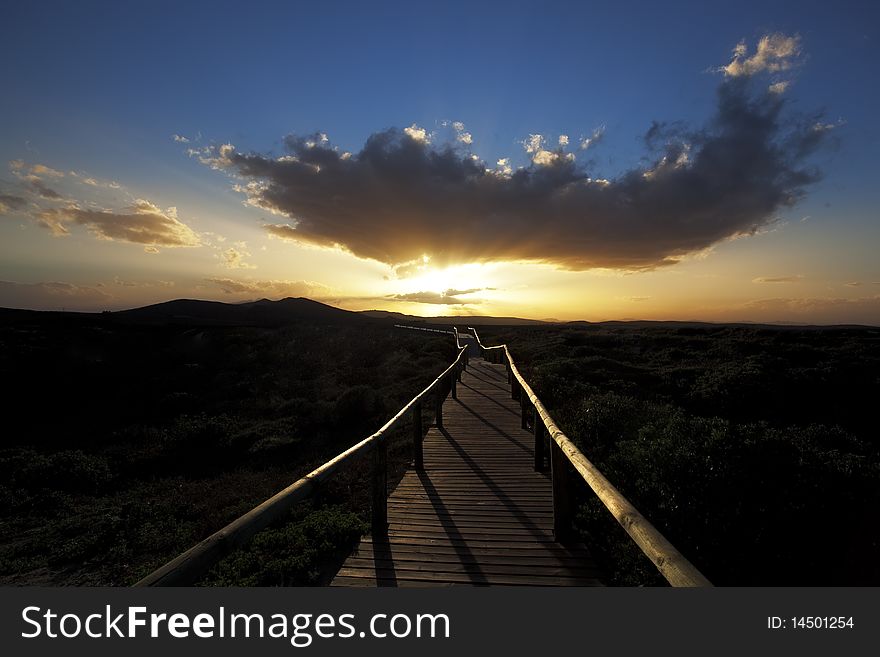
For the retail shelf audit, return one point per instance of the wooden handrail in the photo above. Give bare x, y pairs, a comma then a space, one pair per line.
677, 570
195, 562
453, 332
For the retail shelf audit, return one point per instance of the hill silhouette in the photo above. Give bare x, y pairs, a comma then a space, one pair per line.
256, 313
263, 312
460, 320
291, 310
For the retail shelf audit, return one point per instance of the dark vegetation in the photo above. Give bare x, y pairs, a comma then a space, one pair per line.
129, 438
753, 449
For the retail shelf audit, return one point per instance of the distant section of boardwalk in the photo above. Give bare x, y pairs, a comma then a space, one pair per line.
479, 514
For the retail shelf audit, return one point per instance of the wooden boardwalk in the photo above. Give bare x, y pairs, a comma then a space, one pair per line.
478, 514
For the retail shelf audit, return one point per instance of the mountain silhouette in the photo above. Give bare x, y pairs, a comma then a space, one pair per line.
260, 313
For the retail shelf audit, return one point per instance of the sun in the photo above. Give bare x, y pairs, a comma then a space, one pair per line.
472, 276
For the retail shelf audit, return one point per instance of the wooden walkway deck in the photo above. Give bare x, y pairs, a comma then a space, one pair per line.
479, 514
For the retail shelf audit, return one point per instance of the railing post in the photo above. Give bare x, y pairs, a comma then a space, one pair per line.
561, 499
418, 452
380, 487
538, 428
453, 378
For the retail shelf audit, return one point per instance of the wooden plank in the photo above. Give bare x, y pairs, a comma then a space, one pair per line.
466, 533
492, 509
439, 566
477, 579
369, 582
455, 543
442, 560
502, 553
479, 513
189, 566
677, 570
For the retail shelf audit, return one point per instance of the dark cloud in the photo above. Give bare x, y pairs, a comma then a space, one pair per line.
442, 298
40, 188
456, 293
143, 223
402, 197
11, 203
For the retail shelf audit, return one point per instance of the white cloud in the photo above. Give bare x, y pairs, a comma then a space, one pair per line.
545, 158
461, 134
779, 87
775, 52
596, 136
215, 158
417, 133
234, 258
534, 143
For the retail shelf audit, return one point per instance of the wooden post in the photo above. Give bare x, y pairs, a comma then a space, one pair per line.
418, 452
515, 389
561, 499
538, 428
380, 487
523, 403
453, 377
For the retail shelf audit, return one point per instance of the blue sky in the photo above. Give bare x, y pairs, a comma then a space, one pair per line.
99, 88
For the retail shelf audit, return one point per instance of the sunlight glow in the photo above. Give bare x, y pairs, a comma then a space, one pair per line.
455, 277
